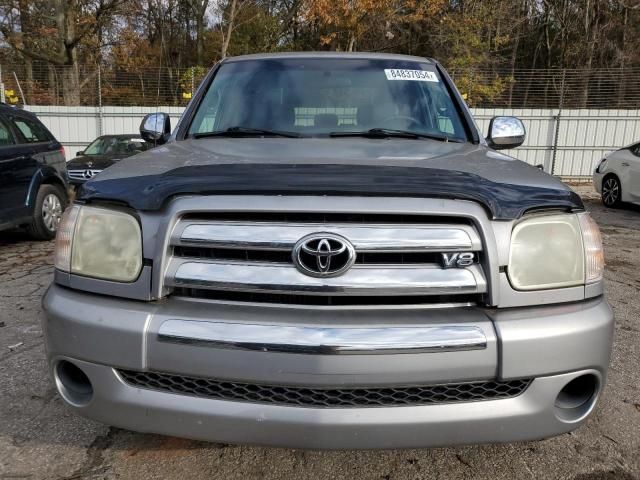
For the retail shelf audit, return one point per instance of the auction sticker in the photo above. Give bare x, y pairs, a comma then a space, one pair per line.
415, 75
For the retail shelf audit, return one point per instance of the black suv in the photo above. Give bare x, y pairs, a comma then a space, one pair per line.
33, 175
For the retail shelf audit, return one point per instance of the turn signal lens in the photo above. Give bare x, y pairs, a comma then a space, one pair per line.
593, 251
64, 237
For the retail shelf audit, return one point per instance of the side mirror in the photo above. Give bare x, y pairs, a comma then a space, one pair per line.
79, 153
505, 133
155, 128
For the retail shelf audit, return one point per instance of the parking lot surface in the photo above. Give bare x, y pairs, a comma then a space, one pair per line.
41, 439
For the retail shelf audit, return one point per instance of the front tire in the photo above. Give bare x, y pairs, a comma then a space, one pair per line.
611, 191
50, 203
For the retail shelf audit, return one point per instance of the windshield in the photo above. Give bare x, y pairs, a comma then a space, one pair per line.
118, 146
325, 96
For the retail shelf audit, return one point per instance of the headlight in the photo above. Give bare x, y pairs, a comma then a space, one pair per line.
555, 251
99, 243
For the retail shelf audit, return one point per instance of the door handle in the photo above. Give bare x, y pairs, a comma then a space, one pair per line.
625, 164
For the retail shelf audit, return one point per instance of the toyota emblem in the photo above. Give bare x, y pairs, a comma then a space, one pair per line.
323, 255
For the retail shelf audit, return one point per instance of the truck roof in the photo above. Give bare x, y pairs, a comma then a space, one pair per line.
355, 55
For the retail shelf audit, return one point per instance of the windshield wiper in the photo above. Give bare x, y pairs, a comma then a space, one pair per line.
247, 132
390, 132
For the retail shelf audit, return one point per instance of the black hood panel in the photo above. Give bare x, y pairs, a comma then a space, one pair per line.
504, 201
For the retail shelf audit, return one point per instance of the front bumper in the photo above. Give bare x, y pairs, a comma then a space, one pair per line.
552, 345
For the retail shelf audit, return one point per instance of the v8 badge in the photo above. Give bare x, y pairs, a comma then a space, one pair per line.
457, 260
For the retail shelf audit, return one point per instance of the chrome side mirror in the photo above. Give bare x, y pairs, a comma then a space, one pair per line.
505, 133
155, 128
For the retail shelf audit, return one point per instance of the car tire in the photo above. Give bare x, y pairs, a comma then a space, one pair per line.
50, 203
611, 191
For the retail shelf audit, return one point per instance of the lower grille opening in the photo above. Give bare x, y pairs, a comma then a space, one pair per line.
327, 300
326, 397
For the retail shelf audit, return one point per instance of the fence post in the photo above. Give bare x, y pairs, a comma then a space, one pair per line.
558, 117
2, 98
99, 102
24, 101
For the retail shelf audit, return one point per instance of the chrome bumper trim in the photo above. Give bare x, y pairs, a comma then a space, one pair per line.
282, 278
323, 340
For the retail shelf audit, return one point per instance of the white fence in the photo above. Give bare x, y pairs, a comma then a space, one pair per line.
568, 143
76, 127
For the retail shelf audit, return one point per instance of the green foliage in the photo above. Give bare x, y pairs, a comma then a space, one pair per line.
191, 77
477, 89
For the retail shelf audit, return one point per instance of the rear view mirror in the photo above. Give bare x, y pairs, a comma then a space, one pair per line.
156, 128
505, 133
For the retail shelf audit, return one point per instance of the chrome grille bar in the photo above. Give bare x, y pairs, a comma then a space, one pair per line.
359, 280
365, 238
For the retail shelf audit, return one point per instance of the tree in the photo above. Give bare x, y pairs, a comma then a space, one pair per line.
345, 22
66, 24
199, 9
146, 46
229, 13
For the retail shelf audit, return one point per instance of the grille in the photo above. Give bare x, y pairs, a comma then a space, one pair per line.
249, 256
280, 256
84, 174
326, 397
323, 218
329, 300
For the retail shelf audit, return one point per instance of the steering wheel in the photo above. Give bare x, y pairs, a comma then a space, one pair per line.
390, 118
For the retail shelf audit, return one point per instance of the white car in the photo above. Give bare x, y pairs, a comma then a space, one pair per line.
617, 177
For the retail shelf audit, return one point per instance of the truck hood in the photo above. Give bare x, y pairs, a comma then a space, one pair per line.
331, 166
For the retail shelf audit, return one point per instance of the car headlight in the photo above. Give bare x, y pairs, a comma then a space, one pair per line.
99, 243
555, 251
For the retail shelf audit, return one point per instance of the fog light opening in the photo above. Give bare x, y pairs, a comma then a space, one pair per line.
73, 384
576, 399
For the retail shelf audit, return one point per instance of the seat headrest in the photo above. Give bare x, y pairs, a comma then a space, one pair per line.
365, 115
325, 120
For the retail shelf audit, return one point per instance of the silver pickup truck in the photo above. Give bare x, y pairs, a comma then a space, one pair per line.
326, 253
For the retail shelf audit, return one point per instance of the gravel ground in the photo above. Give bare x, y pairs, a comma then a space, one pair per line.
40, 439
